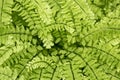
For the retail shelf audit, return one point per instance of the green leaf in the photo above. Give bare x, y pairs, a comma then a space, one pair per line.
60, 40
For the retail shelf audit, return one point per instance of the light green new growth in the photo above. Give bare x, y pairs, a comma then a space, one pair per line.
60, 40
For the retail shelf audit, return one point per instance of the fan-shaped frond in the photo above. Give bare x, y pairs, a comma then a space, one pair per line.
59, 40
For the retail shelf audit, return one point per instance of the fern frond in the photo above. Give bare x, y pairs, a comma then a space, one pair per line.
7, 74
44, 12
60, 40
6, 9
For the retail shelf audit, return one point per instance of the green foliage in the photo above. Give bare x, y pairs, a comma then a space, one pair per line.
60, 40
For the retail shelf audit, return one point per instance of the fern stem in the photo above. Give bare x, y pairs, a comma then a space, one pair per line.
102, 51
1, 11
80, 6
88, 65
40, 74
72, 71
19, 33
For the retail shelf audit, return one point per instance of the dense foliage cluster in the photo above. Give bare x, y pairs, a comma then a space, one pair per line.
60, 40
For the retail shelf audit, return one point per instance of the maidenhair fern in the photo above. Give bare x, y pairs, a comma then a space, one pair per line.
60, 40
